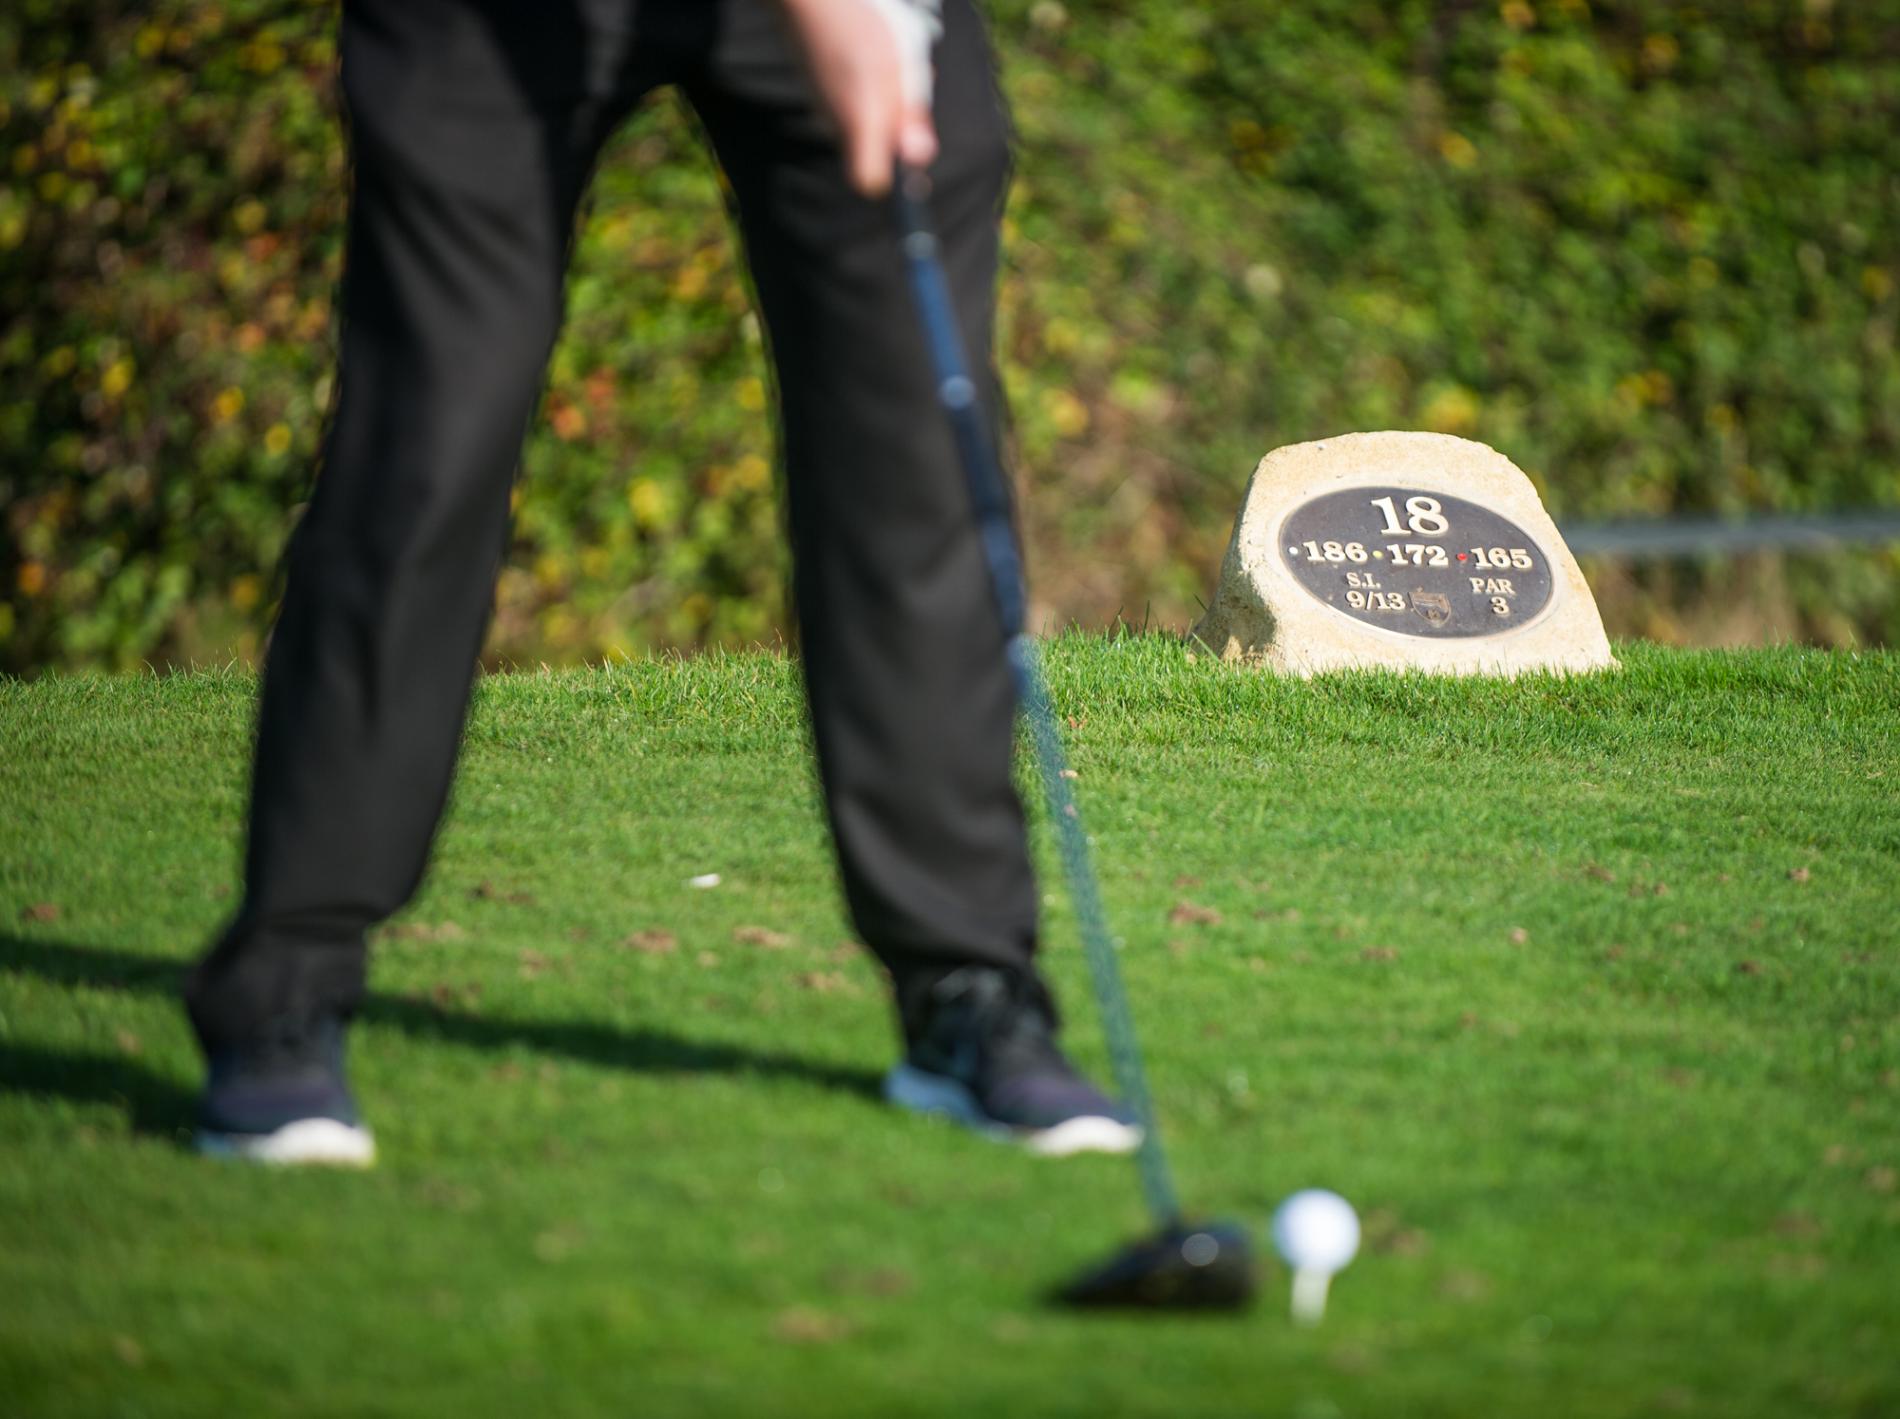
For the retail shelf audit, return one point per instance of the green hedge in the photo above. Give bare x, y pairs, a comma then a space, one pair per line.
1651, 250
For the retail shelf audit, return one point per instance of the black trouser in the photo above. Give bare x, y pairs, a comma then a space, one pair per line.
474, 127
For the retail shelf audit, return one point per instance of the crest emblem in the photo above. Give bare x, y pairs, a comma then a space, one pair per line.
1433, 606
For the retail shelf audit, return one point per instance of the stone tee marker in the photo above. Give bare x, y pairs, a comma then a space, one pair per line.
1400, 550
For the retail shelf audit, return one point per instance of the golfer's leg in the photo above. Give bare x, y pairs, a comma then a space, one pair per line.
451, 299
911, 704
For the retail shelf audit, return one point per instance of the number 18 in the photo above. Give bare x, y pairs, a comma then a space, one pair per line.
1425, 517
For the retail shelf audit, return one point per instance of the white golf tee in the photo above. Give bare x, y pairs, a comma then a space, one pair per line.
1310, 1286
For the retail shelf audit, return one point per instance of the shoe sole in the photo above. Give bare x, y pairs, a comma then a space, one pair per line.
321, 1142
932, 1094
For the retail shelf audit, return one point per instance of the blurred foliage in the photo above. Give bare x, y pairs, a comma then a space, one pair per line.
1650, 250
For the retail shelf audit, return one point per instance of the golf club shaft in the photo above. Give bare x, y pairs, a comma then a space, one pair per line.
958, 395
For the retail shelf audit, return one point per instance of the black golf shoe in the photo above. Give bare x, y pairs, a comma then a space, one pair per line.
984, 1054
280, 1097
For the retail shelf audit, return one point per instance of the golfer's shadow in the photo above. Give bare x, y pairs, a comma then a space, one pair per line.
158, 1106
153, 1104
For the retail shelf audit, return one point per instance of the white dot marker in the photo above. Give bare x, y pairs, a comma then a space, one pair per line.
1199, 1249
1318, 1233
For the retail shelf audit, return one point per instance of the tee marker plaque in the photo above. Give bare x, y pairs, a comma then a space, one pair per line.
1404, 551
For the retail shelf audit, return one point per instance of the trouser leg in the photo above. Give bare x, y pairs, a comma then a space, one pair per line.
465, 186
912, 707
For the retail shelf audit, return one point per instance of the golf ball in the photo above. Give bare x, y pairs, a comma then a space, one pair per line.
1316, 1230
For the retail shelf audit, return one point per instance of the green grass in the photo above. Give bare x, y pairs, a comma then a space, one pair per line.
1587, 992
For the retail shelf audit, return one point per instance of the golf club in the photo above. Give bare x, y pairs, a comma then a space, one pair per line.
1182, 1265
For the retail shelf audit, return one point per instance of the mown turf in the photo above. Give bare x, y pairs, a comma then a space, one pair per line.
1587, 992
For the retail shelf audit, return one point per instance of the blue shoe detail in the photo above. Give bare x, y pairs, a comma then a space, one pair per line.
985, 1056
281, 1096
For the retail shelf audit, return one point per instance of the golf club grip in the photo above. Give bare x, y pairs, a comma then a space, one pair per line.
989, 495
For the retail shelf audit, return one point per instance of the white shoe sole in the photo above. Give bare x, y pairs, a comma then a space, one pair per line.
924, 1093
321, 1142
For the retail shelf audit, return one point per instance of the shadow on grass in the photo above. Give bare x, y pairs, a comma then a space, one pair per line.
643, 1051
153, 1104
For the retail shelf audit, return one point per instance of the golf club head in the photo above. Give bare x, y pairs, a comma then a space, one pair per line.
1190, 1266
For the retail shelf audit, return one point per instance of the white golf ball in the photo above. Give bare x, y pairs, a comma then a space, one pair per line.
1316, 1230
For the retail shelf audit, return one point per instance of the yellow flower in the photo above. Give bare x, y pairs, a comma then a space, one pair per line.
262, 56
117, 379
1453, 410
1661, 51
1069, 414
277, 440
751, 472
648, 501
228, 405
1457, 150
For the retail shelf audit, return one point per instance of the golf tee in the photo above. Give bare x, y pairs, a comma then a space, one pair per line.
1309, 1294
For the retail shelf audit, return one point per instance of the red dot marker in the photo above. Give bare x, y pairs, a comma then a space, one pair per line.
1463, 558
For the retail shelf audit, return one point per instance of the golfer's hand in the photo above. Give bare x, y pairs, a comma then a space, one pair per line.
871, 62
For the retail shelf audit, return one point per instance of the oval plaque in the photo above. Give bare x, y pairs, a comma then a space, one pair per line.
1416, 562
